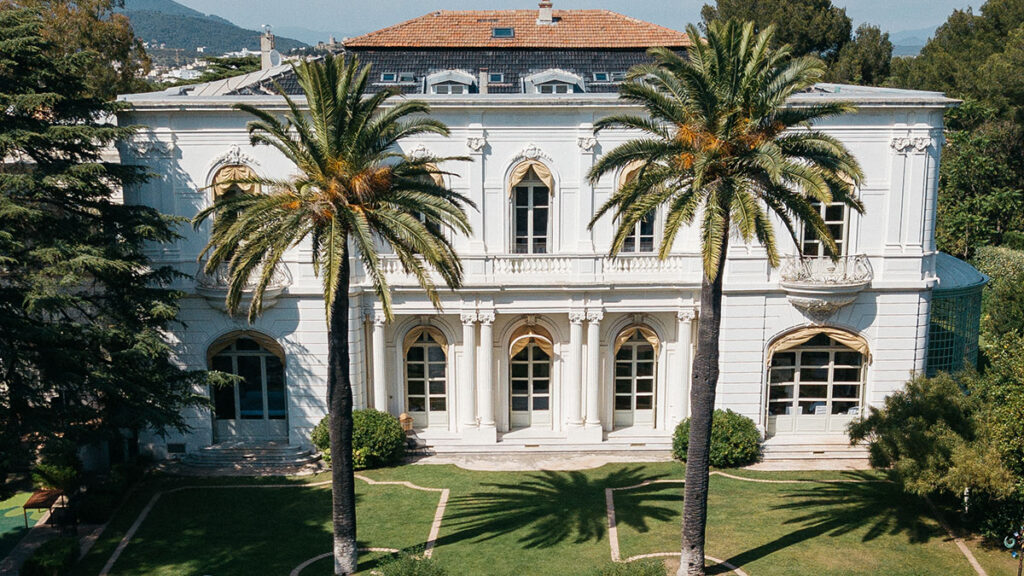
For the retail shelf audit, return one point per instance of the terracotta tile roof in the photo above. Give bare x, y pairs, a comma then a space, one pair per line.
473, 29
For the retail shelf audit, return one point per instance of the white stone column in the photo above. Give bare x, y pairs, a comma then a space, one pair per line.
573, 392
380, 385
684, 337
594, 318
485, 376
467, 379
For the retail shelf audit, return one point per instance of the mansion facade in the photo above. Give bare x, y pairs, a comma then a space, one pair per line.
551, 344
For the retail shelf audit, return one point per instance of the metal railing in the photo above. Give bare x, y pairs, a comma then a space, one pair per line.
850, 270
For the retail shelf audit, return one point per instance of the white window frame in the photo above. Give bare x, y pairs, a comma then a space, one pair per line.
531, 361
533, 82
633, 344
388, 77
637, 237
406, 77
806, 235
602, 77
496, 77
232, 353
511, 32
425, 343
531, 185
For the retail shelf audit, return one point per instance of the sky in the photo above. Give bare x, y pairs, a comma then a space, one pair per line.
351, 17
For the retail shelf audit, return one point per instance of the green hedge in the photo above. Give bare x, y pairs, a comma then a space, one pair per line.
54, 558
408, 565
735, 440
638, 568
377, 439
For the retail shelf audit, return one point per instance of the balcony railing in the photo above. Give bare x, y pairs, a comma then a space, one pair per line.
214, 285
852, 270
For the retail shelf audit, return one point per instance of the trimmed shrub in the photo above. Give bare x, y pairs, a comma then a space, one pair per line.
735, 440
54, 558
639, 568
407, 565
377, 439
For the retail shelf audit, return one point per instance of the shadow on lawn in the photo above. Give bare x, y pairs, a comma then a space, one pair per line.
548, 507
879, 508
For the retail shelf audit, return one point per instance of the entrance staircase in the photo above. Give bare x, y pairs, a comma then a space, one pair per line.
252, 459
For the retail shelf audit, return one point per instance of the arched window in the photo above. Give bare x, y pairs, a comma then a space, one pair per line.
451, 82
636, 358
553, 81
530, 354
225, 181
531, 186
641, 240
426, 377
815, 381
255, 406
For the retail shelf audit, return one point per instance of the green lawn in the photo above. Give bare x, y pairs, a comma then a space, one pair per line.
12, 521
539, 523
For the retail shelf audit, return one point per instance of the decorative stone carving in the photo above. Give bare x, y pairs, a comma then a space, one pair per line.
419, 151
820, 307
213, 286
906, 144
486, 317
818, 287
577, 316
533, 152
686, 314
595, 316
234, 155
151, 147
476, 143
468, 317
379, 318
586, 143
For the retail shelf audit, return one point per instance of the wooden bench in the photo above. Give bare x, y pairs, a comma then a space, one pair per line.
41, 500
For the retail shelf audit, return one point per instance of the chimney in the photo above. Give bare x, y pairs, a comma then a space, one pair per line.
485, 76
546, 14
266, 48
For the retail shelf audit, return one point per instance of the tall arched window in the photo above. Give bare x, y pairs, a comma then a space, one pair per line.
426, 377
531, 186
530, 355
255, 406
636, 358
815, 382
641, 240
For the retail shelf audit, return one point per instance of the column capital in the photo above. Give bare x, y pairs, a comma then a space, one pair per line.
468, 318
595, 316
577, 316
379, 318
486, 317
686, 314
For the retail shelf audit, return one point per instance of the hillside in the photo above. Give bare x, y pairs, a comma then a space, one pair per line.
180, 27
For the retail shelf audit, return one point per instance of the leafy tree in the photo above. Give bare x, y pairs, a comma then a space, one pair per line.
807, 26
865, 59
352, 189
1002, 309
82, 309
72, 26
716, 144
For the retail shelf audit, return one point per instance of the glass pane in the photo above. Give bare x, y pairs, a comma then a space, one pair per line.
540, 386
848, 358
540, 196
834, 212
819, 340
647, 225
784, 359
814, 374
246, 344
624, 369
623, 402
520, 370
541, 370
629, 245
645, 368
846, 391
276, 408
250, 392
436, 371
647, 244
781, 375
848, 408
811, 408
540, 246
520, 403
435, 354
415, 387
521, 246
417, 404
437, 387
814, 359
644, 402
523, 355
415, 354
539, 355
522, 196
836, 230
623, 386
414, 370
780, 392
645, 385
522, 221
645, 352
224, 399
437, 404
846, 375
624, 353
818, 391
779, 408
540, 402
520, 386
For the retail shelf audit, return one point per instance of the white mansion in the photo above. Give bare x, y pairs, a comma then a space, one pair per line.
551, 344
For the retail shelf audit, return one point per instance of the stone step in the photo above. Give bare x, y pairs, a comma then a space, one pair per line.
257, 457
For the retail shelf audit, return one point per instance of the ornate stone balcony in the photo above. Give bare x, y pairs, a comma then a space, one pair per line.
819, 286
214, 286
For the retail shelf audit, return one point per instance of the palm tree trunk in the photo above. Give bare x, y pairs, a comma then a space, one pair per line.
702, 407
339, 401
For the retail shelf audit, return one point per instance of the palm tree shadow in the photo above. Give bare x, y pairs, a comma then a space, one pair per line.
878, 508
548, 508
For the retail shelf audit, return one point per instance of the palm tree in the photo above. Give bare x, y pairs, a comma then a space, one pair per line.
352, 190
720, 144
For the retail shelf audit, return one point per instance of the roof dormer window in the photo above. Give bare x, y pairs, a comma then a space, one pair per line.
388, 77
601, 77
498, 32
406, 77
553, 81
450, 88
451, 82
554, 88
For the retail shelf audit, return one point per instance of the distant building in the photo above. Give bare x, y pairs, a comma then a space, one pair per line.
551, 344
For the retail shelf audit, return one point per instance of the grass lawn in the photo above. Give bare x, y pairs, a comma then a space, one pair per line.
12, 521
500, 523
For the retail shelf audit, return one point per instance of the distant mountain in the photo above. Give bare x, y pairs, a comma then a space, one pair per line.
180, 27
910, 42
